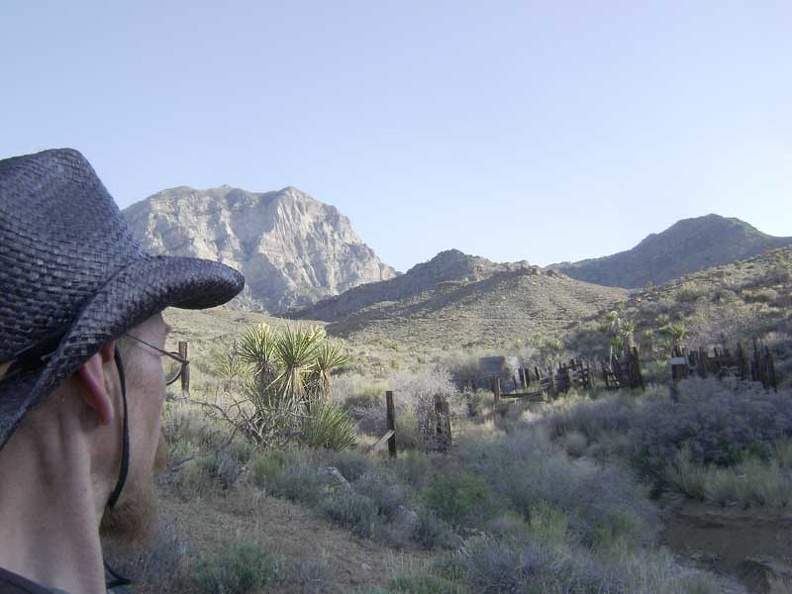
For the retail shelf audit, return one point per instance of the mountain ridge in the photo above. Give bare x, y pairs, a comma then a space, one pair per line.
687, 246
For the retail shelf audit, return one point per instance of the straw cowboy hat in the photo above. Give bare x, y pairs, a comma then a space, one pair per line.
72, 277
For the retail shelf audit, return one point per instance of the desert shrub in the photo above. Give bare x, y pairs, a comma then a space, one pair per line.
717, 422
193, 481
495, 566
188, 430
224, 465
270, 463
352, 510
242, 567
306, 576
414, 468
752, 483
431, 532
387, 495
592, 418
526, 471
688, 292
330, 427
547, 523
461, 498
425, 583
575, 443
352, 465
300, 481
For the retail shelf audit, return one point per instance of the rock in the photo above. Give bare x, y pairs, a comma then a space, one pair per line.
292, 249
338, 478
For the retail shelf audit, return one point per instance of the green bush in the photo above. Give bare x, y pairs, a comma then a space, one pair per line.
352, 510
301, 482
271, 463
432, 533
462, 499
352, 465
240, 569
413, 467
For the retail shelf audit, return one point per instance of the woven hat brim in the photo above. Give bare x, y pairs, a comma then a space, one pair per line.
138, 291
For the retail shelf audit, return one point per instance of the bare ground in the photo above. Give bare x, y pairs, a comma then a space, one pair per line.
289, 531
751, 544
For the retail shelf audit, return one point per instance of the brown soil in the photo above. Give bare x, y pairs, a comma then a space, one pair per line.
739, 542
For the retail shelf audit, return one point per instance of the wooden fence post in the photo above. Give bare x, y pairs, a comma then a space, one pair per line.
442, 423
496, 387
185, 376
391, 414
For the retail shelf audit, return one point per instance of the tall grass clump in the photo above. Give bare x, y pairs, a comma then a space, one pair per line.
754, 482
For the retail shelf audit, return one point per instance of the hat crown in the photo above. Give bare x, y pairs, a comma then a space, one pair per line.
61, 238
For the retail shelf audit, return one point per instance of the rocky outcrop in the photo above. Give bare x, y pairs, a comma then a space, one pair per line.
292, 249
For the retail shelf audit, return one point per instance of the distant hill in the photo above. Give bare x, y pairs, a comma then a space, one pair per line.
292, 249
457, 299
687, 246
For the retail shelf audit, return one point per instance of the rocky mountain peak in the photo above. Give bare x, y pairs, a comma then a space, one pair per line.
292, 249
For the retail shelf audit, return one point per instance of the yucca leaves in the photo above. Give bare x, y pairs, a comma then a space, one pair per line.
330, 355
291, 376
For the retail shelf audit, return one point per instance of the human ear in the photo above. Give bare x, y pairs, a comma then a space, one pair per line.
97, 393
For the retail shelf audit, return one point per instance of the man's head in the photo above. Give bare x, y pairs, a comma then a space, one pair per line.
75, 288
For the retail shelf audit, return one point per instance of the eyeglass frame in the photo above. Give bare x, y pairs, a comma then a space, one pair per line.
183, 362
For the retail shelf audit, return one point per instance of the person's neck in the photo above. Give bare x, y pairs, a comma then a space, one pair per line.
49, 514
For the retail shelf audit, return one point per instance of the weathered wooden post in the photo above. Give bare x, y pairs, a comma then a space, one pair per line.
391, 414
679, 371
185, 376
442, 423
496, 390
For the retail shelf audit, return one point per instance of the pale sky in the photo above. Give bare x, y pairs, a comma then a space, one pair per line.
539, 131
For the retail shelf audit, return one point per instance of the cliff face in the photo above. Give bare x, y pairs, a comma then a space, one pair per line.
292, 249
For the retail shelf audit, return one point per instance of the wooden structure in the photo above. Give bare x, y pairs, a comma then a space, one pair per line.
623, 372
442, 436
759, 367
533, 385
185, 374
391, 418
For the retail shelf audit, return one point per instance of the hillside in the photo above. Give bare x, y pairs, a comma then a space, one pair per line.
719, 306
292, 249
458, 300
687, 246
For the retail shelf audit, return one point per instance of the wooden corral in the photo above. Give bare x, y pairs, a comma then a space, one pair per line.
759, 367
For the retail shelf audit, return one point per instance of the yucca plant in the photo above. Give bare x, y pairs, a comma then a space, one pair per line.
285, 375
296, 349
329, 427
257, 348
330, 355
